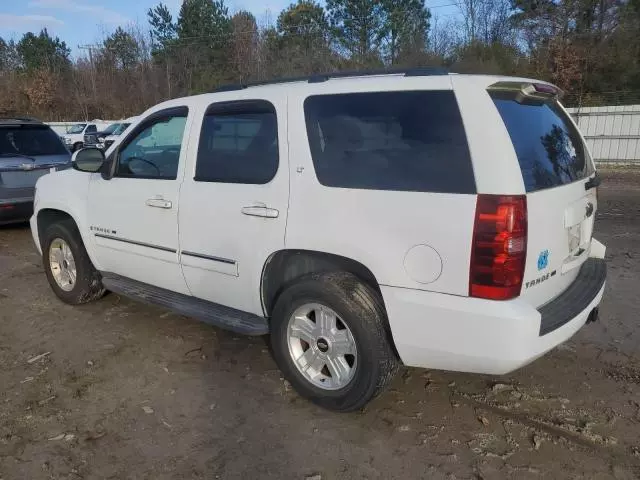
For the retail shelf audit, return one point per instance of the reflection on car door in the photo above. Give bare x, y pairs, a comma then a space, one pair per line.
133, 216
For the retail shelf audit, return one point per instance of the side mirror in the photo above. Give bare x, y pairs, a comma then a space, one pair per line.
88, 160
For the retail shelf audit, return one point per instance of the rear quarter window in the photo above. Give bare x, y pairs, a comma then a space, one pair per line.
549, 148
403, 141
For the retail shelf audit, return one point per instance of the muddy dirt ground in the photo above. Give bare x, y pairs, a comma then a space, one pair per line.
121, 390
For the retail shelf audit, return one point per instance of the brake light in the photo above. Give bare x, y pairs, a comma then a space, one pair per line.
499, 248
546, 88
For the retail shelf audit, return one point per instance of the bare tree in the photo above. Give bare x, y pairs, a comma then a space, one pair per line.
486, 21
442, 38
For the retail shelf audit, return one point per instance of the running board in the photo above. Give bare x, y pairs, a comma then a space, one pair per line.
207, 312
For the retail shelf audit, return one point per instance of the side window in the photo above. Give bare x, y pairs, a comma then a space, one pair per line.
238, 143
91, 129
153, 149
403, 140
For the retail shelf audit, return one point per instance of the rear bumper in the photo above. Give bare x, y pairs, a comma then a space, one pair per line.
571, 302
447, 332
15, 211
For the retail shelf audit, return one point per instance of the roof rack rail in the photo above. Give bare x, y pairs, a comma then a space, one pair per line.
407, 72
230, 87
323, 77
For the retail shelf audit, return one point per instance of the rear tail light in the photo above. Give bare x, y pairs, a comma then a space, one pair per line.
499, 248
546, 88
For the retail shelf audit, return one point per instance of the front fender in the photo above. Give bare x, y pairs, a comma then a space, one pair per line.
66, 191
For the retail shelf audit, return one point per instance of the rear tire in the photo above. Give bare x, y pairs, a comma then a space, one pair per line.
69, 270
310, 356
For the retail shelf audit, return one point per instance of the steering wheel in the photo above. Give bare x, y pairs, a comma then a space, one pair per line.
143, 160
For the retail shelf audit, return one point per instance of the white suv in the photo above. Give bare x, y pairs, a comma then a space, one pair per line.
435, 220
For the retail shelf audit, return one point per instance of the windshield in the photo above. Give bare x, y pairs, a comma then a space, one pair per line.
111, 128
77, 128
121, 128
30, 140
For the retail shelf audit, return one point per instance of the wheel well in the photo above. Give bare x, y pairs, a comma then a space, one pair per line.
49, 216
285, 266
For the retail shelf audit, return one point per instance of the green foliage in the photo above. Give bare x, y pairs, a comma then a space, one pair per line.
43, 51
122, 49
406, 27
302, 21
303, 37
204, 35
195, 51
245, 22
163, 29
358, 26
206, 20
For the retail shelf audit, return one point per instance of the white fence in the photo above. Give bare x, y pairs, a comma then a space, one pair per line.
612, 133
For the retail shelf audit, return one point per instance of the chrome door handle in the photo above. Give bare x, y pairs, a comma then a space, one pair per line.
260, 211
158, 203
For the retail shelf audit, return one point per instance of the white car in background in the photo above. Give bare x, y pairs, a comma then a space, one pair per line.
74, 138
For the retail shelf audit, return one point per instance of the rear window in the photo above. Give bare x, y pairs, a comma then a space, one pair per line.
549, 148
404, 141
30, 140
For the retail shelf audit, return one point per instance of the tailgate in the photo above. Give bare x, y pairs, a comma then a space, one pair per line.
558, 177
559, 239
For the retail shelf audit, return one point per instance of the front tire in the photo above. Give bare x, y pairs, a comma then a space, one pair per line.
69, 270
329, 338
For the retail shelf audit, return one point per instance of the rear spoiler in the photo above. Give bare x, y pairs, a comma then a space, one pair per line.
526, 92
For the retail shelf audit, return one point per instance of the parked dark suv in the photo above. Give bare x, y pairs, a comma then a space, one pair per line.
28, 150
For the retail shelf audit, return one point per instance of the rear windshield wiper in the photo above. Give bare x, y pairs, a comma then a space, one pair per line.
19, 155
